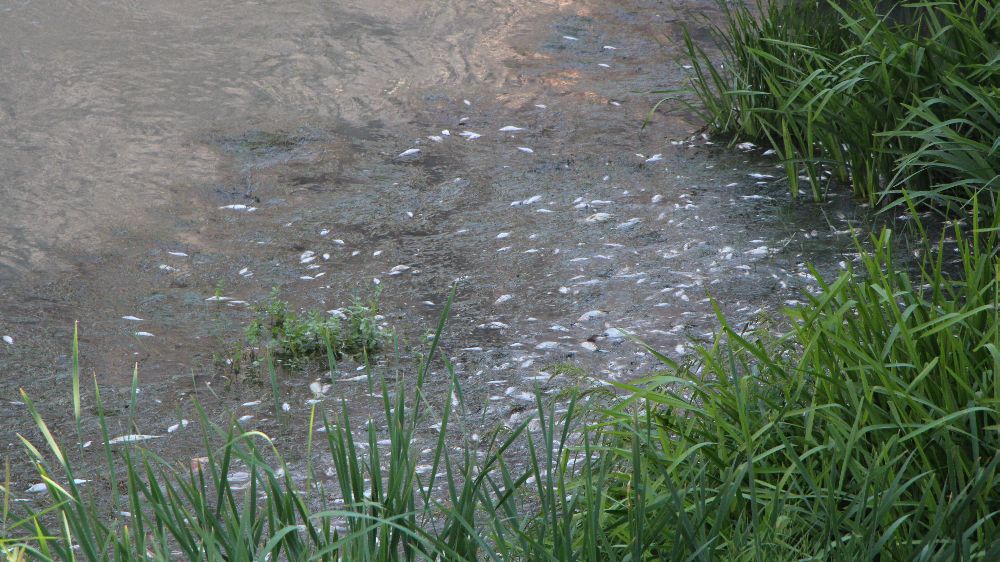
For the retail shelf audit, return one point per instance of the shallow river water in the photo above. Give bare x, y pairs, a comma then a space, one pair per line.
156, 154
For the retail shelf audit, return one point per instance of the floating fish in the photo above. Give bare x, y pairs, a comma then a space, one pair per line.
131, 438
511, 129
132, 318
239, 207
525, 150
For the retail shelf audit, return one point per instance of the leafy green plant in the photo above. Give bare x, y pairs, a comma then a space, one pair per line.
296, 339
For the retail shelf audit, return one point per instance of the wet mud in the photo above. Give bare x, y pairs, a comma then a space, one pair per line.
498, 148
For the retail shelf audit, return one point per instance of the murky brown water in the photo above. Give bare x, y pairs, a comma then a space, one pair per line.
104, 105
127, 128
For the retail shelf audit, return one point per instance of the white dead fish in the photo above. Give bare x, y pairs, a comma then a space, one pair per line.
469, 135
654, 158
144, 334
529, 201
318, 388
239, 207
629, 224
37, 488
436, 138
503, 298
511, 129
503, 235
757, 176
132, 318
746, 146
398, 269
570, 38
409, 154
592, 315
525, 150
178, 254
166, 267
599, 217
131, 438
8, 340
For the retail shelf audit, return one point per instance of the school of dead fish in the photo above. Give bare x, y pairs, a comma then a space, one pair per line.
592, 213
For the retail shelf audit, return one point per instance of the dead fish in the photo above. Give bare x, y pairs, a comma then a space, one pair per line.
132, 438
603, 65
592, 315
599, 217
511, 129
757, 176
8, 340
629, 224
178, 254
398, 269
503, 235
166, 267
409, 154
436, 138
503, 298
469, 135
239, 207
746, 146
37, 488
525, 150
570, 38
494, 326
144, 334
132, 318
529, 201
654, 158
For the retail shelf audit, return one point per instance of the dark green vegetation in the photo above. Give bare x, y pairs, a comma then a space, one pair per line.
297, 340
890, 99
868, 431
297, 337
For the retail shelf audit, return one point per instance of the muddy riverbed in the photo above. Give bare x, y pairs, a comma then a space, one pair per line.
154, 156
